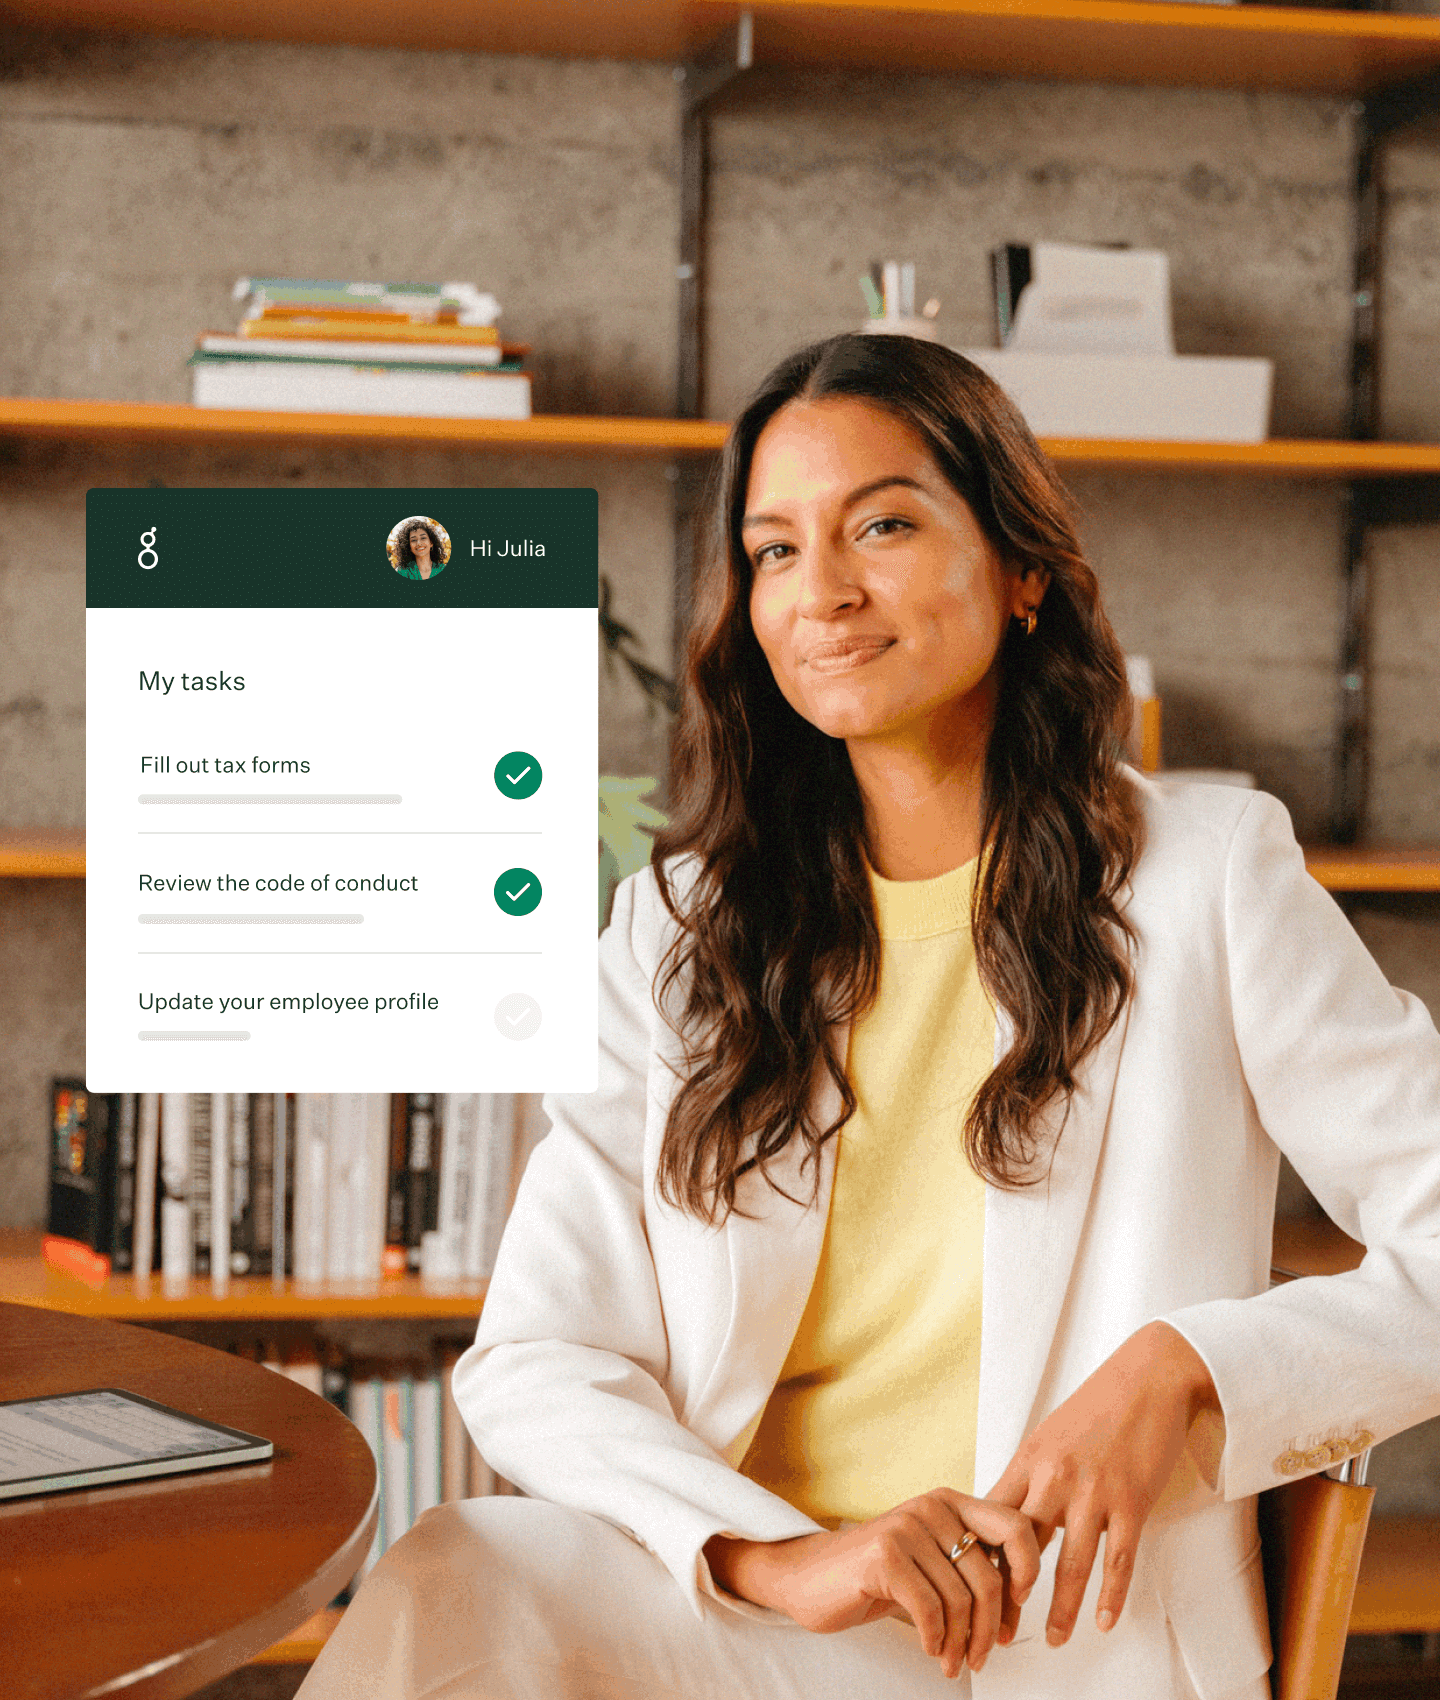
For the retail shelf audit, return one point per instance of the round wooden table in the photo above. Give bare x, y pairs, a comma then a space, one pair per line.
152, 1589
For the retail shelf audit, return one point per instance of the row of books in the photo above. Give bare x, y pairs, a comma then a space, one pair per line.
424, 1455
322, 345
320, 1186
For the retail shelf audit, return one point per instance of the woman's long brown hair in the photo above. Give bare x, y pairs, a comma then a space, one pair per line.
777, 939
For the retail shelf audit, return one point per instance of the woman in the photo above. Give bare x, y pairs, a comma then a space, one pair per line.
421, 553
945, 1064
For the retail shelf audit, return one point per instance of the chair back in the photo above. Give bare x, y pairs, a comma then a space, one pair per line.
1312, 1532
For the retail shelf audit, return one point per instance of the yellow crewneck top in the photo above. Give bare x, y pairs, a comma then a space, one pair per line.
876, 1401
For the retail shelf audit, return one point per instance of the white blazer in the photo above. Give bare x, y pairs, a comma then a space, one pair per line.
626, 1351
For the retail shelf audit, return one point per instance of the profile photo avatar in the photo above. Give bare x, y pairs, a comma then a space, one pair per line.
418, 547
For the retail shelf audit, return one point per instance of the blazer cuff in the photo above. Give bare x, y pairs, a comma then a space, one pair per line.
1259, 1446
682, 1552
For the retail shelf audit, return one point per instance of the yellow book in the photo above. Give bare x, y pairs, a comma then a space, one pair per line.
373, 327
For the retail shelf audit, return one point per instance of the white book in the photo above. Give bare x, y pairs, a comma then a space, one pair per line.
396, 1461
343, 1180
459, 1114
365, 1413
490, 1185
177, 1248
378, 1203
240, 1203
281, 1251
312, 1146
220, 1161
147, 1160
299, 387
347, 350
429, 1486
359, 1145
199, 1188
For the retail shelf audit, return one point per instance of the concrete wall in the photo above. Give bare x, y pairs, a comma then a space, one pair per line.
143, 176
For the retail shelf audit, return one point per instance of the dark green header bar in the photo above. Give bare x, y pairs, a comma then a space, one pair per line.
165, 548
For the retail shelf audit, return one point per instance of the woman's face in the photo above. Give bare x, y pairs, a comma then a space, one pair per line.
876, 598
420, 544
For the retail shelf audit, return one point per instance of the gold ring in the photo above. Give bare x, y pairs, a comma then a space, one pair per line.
963, 1545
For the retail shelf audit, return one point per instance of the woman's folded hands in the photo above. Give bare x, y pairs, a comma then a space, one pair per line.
899, 1565
1097, 1464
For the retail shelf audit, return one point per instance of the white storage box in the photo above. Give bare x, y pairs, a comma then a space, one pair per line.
1186, 398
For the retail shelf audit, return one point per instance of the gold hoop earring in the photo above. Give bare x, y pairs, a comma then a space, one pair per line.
1029, 622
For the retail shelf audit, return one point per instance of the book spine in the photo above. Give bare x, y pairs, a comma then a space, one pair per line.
122, 1244
262, 1181
423, 1191
74, 1209
242, 1216
147, 1202
443, 1248
200, 1198
177, 1246
426, 1430
343, 1180
366, 1412
498, 1190
457, 1478
486, 1164
220, 1161
312, 1151
394, 1260
285, 1195
377, 1194
399, 1402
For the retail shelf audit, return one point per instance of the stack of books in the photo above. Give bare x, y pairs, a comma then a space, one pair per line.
405, 1408
324, 1187
317, 345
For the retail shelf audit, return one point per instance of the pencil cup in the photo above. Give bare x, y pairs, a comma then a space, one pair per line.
914, 325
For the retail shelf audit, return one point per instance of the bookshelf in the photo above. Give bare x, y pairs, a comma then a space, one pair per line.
118, 421
26, 1279
1135, 41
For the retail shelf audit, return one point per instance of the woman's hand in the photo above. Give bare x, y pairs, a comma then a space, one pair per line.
897, 1565
1101, 1460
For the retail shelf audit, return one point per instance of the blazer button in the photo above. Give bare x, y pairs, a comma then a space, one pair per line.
1339, 1449
1317, 1458
1290, 1463
1361, 1440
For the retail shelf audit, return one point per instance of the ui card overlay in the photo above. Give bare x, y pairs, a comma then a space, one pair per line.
341, 766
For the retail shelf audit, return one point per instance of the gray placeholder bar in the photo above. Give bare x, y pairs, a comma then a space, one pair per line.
261, 797
157, 1033
250, 920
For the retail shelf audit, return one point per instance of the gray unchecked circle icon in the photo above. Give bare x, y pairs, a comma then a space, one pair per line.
518, 1016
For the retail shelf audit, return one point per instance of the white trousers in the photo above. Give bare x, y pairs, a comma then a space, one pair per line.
519, 1599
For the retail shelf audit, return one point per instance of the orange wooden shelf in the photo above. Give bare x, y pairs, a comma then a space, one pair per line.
1350, 868
42, 855
121, 421
25, 1278
302, 1646
1131, 41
